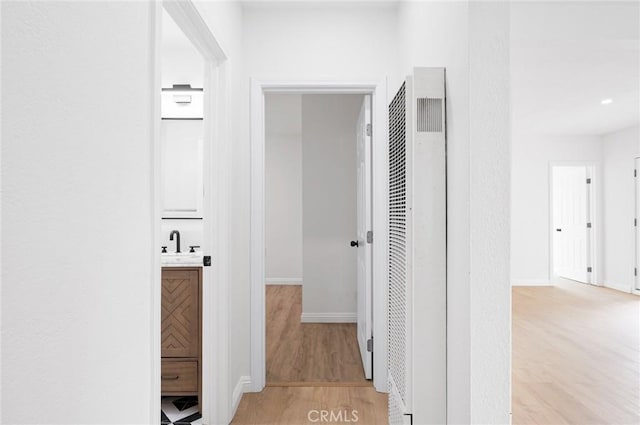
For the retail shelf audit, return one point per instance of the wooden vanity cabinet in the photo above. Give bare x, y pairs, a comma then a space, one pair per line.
182, 331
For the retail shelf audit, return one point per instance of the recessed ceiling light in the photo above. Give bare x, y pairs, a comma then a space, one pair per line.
606, 101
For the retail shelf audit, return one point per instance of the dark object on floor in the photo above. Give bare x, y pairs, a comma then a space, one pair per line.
180, 411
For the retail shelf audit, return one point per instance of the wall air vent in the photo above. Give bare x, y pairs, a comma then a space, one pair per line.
429, 115
417, 355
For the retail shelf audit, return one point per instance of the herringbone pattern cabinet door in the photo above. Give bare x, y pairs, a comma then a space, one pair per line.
180, 315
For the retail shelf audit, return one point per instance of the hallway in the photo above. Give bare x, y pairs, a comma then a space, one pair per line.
576, 355
313, 371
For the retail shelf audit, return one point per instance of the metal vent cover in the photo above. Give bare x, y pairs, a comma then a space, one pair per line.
397, 313
396, 408
429, 115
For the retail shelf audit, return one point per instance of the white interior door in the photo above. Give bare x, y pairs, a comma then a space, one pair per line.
571, 242
364, 273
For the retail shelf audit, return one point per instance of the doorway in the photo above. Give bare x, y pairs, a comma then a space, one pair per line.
206, 214
376, 343
573, 222
318, 262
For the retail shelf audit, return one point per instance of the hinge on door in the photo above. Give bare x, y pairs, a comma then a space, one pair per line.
588, 181
635, 173
370, 236
370, 345
589, 269
635, 222
368, 130
588, 225
635, 271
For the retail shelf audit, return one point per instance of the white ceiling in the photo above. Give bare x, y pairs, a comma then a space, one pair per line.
568, 56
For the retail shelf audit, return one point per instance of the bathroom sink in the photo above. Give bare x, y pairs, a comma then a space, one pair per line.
182, 259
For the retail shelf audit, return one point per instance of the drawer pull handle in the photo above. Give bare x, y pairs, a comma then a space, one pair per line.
171, 377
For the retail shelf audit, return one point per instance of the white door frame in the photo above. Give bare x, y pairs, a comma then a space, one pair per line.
592, 167
216, 403
635, 289
378, 91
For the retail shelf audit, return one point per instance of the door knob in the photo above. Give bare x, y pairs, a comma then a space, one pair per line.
355, 243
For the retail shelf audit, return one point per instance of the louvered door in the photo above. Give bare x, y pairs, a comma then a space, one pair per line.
181, 312
399, 256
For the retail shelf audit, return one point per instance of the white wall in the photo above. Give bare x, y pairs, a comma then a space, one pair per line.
329, 205
419, 24
471, 40
181, 62
76, 212
191, 233
618, 152
531, 156
283, 188
490, 224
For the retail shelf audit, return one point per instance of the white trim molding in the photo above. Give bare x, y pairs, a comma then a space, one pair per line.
619, 286
329, 318
531, 282
378, 91
242, 386
283, 281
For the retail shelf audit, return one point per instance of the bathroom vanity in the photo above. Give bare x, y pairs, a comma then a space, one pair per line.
181, 330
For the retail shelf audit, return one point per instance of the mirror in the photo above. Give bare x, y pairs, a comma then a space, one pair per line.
182, 156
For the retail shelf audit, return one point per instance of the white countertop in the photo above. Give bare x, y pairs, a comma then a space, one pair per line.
183, 259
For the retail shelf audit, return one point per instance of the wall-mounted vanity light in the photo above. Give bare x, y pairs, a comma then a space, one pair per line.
182, 102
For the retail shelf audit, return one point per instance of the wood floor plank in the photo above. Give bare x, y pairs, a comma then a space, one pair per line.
576, 355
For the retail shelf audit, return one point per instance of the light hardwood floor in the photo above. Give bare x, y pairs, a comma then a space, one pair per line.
308, 353
297, 405
576, 355
312, 370
576, 360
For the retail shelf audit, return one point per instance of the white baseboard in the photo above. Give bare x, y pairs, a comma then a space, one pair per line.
329, 318
619, 286
531, 282
243, 386
283, 281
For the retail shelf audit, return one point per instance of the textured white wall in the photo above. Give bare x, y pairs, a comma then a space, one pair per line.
329, 216
76, 212
471, 40
283, 187
618, 152
490, 157
531, 157
419, 24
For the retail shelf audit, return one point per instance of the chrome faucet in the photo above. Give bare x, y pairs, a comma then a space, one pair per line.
175, 232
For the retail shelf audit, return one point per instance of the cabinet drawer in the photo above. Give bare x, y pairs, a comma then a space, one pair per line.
179, 377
